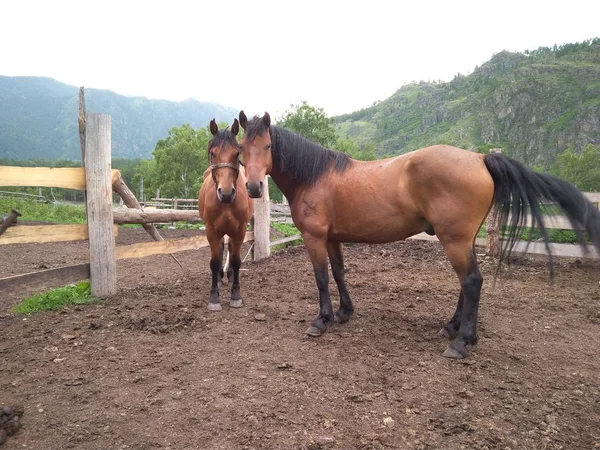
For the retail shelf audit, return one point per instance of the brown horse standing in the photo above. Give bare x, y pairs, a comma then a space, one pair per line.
441, 190
226, 209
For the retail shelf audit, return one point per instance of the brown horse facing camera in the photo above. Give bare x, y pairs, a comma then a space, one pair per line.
441, 190
226, 209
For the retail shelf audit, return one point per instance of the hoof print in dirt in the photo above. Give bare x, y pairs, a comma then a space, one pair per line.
10, 421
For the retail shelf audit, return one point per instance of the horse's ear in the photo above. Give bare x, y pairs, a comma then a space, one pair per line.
267, 120
243, 119
214, 129
235, 128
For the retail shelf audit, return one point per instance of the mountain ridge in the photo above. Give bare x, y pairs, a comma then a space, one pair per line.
38, 118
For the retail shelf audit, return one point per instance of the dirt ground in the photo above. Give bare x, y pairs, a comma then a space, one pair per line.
151, 368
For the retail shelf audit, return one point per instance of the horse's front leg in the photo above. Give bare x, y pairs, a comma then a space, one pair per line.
336, 258
235, 260
215, 267
317, 250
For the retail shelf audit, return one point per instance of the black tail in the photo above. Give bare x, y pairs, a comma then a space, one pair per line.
519, 191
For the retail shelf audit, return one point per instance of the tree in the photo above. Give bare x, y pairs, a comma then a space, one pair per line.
310, 122
581, 169
347, 145
178, 163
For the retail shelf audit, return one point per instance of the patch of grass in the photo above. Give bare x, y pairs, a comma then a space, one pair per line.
72, 294
44, 212
286, 228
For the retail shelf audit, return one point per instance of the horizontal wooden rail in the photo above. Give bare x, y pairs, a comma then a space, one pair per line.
43, 234
130, 215
161, 199
296, 237
44, 279
568, 250
60, 177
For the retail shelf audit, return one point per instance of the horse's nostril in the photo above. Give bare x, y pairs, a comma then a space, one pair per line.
232, 191
219, 190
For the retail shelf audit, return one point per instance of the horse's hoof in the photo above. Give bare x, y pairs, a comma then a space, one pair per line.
457, 350
214, 307
236, 303
314, 331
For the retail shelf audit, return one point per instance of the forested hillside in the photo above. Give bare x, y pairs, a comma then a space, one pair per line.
532, 104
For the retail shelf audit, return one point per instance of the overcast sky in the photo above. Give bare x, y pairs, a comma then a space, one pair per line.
261, 55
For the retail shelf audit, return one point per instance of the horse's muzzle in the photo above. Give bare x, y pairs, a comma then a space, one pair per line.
255, 188
226, 197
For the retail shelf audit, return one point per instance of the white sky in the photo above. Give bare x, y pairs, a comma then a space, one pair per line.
262, 55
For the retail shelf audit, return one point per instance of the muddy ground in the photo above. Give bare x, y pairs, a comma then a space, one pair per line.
151, 368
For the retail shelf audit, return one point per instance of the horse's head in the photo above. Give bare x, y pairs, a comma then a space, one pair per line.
223, 156
256, 152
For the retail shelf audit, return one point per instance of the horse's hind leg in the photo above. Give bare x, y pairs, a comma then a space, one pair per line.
462, 258
216, 262
235, 259
336, 258
450, 329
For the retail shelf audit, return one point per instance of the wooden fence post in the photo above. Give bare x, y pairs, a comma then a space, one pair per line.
492, 247
262, 225
103, 263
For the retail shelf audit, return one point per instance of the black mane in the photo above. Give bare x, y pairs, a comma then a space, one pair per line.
304, 161
221, 139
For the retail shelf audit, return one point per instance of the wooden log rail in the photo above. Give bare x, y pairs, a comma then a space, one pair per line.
146, 216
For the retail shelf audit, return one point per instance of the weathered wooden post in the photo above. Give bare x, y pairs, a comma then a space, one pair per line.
103, 263
492, 247
262, 225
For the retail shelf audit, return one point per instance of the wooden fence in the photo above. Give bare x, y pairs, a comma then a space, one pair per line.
99, 181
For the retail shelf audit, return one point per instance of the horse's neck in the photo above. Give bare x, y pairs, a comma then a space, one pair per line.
285, 183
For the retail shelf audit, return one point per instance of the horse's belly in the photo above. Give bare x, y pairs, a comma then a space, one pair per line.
376, 230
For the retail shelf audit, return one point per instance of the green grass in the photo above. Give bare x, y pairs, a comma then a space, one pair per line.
43, 212
286, 228
73, 294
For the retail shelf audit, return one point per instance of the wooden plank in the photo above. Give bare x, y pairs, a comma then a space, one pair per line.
296, 237
43, 234
570, 250
550, 221
103, 264
144, 249
44, 279
59, 177
160, 199
262, 224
